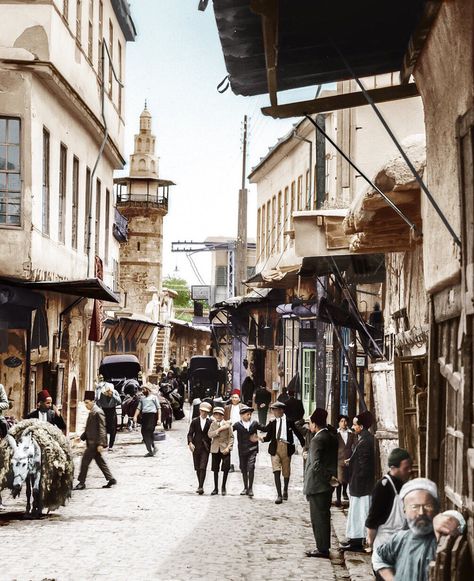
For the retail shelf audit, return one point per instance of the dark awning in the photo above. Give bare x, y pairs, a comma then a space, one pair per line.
359, 269
276, 45
91, 288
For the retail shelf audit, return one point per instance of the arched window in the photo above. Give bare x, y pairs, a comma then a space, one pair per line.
142, 164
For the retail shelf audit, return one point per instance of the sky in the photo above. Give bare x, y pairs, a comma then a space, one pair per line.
176, 64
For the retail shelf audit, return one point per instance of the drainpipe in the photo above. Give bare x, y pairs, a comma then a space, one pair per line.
310, 143
104, 49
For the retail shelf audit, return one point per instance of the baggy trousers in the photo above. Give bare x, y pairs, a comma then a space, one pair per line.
148, 422
320, 510
111, 424
91, 453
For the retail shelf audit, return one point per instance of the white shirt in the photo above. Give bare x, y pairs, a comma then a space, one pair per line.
235, 413
344, 434
283, 434
42, 416
246, 424
202, 421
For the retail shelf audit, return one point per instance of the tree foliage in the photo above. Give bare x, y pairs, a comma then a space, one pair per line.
181, 286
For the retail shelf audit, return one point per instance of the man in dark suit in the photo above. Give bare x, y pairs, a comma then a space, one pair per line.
46, 411
294, 407
280, 433
346, 441
321, 467
95, 436
199, 443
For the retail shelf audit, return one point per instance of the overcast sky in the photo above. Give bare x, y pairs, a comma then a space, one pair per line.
176, 64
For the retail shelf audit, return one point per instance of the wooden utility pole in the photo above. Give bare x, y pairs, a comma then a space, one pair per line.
241, 244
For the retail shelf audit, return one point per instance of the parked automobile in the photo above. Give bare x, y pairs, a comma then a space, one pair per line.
124, 371
203, 377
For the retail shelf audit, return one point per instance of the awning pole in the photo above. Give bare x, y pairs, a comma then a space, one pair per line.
412, 168
405, 218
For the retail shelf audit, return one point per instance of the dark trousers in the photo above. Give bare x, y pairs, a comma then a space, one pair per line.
148, 428
110, 424
342, 488
320, 510
90, 454
262, 415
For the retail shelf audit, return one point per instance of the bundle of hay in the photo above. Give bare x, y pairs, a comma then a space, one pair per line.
57, 467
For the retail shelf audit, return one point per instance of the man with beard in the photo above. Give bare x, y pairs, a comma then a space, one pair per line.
408, 554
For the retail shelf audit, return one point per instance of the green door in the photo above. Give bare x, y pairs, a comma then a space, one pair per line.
308, 376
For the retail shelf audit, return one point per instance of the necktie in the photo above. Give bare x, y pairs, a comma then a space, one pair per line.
279, 430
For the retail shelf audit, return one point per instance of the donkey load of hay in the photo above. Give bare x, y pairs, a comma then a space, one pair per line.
38, 454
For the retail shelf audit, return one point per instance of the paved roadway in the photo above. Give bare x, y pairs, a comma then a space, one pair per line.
153, 526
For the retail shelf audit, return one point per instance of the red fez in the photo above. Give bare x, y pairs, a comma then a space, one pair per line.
90, 395
365, 419
43, 395
319, 417
235, 392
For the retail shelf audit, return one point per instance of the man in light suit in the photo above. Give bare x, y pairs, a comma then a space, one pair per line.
222, 436
95, 436
200, 444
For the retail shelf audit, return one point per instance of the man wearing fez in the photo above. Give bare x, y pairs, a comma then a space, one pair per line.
361, 482
408, 553
280, 432
46, 411
199, 443
321, 467
95, 436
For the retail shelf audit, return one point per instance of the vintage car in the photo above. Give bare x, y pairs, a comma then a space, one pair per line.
203, 377
124, 371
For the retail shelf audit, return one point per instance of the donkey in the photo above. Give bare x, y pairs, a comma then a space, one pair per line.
26, 467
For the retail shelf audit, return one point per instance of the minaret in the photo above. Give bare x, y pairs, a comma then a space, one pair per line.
142, 197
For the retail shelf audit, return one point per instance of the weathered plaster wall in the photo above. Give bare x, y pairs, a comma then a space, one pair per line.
444, 78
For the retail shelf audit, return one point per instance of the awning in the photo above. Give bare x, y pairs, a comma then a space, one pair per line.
373, 226
274, 278
359, 269
276, 45
190, 325
254, 296
91, 288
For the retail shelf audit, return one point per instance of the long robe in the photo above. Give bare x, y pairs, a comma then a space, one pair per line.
234, 453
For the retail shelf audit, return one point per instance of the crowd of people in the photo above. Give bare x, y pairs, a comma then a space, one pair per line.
397, 519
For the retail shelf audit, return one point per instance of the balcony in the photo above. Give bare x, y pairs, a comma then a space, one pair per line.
320, 233
120, 229
149, 192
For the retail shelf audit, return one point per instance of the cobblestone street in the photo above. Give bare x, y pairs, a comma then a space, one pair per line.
152, 525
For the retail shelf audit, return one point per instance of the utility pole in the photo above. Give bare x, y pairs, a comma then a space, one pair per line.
241, 244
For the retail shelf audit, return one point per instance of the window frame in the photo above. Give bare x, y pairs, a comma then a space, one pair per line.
62, 192
8, 199
46, 184
75, 203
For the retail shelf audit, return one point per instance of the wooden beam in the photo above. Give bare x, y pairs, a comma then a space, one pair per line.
418, 39
342, 101
268, 10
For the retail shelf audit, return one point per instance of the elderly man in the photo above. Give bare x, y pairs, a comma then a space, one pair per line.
408, 554
46, 411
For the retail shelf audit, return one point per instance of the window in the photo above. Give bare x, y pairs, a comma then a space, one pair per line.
98, 200
307, 190
75, 201
116, 275
259, 242
263, 235
292, 203
274, 232
10, 172
107, 225
269, 230
45, 199
90, 32
221, 275
88, 211
66, 9
279, 213
111, 57
101, 36
120, 77
78, 20
62, 193
300, 193
286, 202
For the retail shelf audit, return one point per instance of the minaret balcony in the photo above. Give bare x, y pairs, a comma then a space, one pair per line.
143, 192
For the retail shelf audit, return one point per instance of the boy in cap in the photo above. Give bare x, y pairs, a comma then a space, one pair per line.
222, 437
248, 448
280, 433
200, 444
321, 466
46, 411
95, 437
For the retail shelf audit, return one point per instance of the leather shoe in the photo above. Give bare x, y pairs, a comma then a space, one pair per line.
250, 492
80, 486
223, 491
214, 492
285, 495
318, 554
200, 491
279, 500
110, 483
244, 492
356, 548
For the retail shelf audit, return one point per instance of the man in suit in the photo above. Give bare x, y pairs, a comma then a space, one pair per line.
95, 436
199, 443
345, 441
46, 411
321, 467
280, 433
294, 407
222, 436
